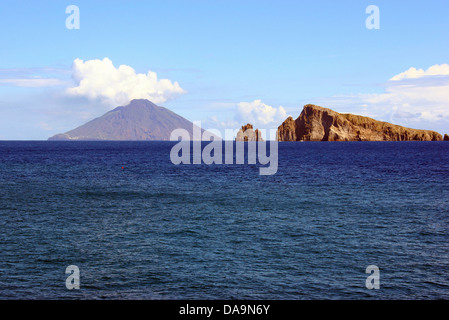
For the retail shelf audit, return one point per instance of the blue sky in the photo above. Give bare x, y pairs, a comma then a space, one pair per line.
232, 59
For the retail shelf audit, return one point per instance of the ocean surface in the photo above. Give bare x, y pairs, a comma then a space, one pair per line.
154, 230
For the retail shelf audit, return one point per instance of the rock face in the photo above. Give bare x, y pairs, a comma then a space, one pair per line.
247, 133
287, 130
139, 120
446, 137
321, 124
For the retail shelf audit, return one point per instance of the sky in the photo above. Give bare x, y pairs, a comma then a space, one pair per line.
224, 63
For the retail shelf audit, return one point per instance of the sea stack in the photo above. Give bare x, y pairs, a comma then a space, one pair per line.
321, 124
247, 133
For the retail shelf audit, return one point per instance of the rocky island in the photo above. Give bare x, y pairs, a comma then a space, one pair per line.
139, 120
247, 133
321, 124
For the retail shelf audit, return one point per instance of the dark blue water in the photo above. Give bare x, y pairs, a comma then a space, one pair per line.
154, 230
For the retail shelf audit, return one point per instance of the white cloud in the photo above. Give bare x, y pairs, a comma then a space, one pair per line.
100, 79
414, 98
260, 114
413, 73
214, 122
33, 82
424, 94
35, 77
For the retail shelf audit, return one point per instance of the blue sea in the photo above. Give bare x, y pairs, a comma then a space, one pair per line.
139, 227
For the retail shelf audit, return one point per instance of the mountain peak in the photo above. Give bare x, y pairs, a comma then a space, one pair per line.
141, 119
135, 102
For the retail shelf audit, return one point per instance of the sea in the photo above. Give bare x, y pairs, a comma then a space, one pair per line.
136, 226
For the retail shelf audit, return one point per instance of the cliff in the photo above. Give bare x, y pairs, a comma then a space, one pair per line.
247, 133
321, 124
